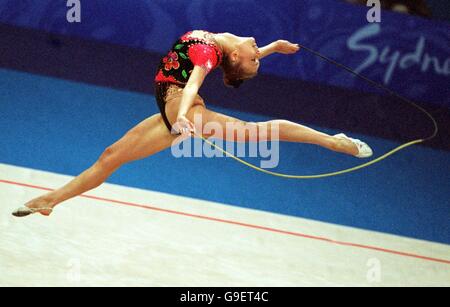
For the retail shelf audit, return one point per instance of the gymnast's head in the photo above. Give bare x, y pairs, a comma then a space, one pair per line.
240, 59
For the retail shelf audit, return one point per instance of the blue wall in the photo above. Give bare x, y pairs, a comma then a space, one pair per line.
409, 54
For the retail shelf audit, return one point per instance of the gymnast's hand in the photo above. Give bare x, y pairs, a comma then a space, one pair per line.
285, 47
184, 126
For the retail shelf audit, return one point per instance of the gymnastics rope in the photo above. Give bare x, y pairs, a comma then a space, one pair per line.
373, 83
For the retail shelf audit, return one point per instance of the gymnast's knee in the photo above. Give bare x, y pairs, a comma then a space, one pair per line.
110, 158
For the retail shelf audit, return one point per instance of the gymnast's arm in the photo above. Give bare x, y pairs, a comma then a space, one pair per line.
279, 46
191, 89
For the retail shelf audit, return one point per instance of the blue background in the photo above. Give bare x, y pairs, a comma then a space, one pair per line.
324, 25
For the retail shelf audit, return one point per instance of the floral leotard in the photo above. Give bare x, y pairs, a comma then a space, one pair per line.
176, 67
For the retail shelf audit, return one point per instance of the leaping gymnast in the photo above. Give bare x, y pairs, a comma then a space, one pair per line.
179, 77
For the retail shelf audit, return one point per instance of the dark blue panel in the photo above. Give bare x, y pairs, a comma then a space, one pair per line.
407, 53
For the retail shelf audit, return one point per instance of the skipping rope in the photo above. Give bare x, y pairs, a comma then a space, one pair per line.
393, 151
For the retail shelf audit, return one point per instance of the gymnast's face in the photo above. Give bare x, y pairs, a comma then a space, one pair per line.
248, 57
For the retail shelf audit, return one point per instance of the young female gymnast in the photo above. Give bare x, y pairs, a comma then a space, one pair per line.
179, 77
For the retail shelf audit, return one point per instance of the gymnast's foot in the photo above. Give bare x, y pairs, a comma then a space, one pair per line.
38, 205
361, 149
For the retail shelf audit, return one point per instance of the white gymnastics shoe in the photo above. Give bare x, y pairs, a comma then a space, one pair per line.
364, 150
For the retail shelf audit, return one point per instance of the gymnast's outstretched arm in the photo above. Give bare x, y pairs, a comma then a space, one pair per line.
279, 46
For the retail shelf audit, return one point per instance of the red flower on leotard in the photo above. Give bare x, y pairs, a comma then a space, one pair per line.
171, 61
